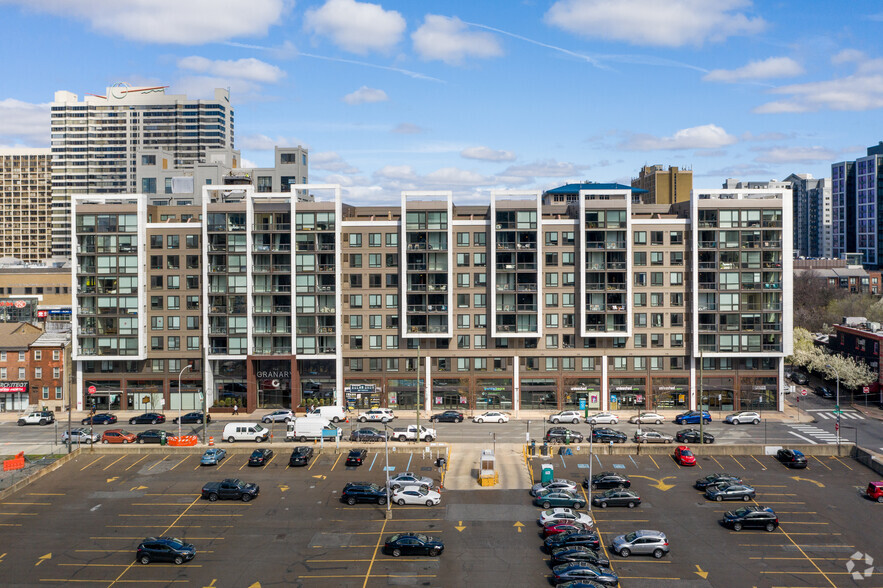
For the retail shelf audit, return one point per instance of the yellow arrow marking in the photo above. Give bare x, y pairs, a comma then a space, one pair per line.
518, 524
799, 479
700, 573
255, 585
320, 477
283, 487
460, 526
135, 488
114, 479
212, 585
2, 555
42, 559
660, 482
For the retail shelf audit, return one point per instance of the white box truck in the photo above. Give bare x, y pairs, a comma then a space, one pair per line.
307, 428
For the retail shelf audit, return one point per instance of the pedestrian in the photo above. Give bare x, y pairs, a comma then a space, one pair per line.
235, 409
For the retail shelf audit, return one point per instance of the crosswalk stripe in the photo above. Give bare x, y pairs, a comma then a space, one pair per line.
804, 438
823, 415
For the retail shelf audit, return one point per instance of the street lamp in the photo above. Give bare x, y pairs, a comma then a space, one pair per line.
181, 395
836, 405
494, 436
388, 497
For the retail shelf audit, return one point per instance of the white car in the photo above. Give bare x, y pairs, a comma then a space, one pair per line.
647, 417
565, 515
743, 417
491, 416
278, 416
376, 415
409, 479
80, 436
565, 416
416, 495
602, 418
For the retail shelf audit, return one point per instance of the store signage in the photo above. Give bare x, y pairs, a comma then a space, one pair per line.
15, 303
369, 388
13, 387
42, 314
57, 311
273, 374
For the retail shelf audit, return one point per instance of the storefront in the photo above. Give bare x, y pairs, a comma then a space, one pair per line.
758, 393
628, 393
13, 396
361, 395
450, 394
670, 393
231, 383
539, 394
145, 395
318, 382
493, 394
582, 390
717, 393
273, 378
188, 398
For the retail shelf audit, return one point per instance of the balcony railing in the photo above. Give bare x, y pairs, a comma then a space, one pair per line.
707, 285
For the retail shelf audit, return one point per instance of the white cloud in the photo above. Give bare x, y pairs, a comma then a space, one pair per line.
773, 67
407, 129
702, 137
204, 87
259, 142
449, 40
357, 27
847, 55
796, 155
193, 22
547, 168
332, 162
396, 172
366, 95
24, 123
487, 154
770, 136
664, 23
244, 69
247, 164
852, 93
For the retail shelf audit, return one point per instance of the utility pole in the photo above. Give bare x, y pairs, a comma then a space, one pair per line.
701, 390
418, 391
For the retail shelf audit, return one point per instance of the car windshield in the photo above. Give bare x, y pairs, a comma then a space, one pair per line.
422, 538
124, 432
422, 491
175, 543
259, 428
687, 453
742, 511
631, 536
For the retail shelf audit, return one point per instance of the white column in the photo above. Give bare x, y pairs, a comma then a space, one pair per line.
694, 383
516, 386
427, 385
605, 396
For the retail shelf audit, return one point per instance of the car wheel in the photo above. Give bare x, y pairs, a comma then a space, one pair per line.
428, 503
631, 505
547, 505
880, 499
154, 421
737, 526
362, 419
199, 420
658, 553
593, 422
212, 497
603, 505
178, 560
401, 502
669, 440
735, 422
351, 501
658, 422
577, 505
479, 420
575, 421
246, 497
435, 552
396, 552
755, 421
381, 501
719, 498
141, 441
125, 441
625, 552
770, 527
302, 439
594, 486
230, 439
131, 421
335, 420
746, 498
145, 559
402, 438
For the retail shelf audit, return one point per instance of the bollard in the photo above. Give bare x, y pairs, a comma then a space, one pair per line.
211, 441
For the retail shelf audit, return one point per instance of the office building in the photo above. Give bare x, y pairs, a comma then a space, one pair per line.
25, 204
811, 199
664, 186
855, 193
527, 302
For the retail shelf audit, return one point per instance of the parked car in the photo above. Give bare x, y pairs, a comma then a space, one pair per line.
586, 538
356, 457
102, 418
714, 479
193, 418
413, 544
564, 515
563, 435
354, 492
409, 479
448, 416
151, 436
691, 417
117, 436
213, 456
647, 417
555, 485
40, 417
260, 457
79, 436
278, 416
792, 458
609, 436
491, 416
164, 549
799, 378
376, 415
724, 491
557, 528
602, 418
751, 517
367, 434
745, 416
651, 436
565, 416
239, 431
578, 553
300, 456
148, 418
415, 495
574, 571
825, 392
692, 436
874, 491
230, 489
683, 456
642, 542
617, 497
606, 480
332, 413
558, 498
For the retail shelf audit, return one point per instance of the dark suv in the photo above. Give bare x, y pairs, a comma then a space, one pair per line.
607, 435
300, 456
751, 517
356, 457
355, 492
561, 434
791, 458
167, 549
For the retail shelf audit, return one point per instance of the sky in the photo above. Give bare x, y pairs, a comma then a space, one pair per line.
478, 96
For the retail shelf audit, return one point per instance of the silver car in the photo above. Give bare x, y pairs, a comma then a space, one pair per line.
651, 436
565, 416
647, 417
602, 418
641, 543
80, 436
278, 416
554, 486
409, 479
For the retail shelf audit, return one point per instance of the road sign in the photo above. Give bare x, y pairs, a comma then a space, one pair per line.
92, 389
803, 392
866, 389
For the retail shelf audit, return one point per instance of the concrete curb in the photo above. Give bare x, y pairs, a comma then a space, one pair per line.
39, 474
845, 449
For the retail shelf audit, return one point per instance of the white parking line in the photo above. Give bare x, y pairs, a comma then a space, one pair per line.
804, 438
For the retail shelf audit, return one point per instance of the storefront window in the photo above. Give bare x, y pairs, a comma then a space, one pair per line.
188, 399
318, 385
718, 394
273, 378
402, 393
628, 393
450, 394
670, 393
578, 389
540, 394
230, 383
493, 394
146, 395
758, 393
361, 395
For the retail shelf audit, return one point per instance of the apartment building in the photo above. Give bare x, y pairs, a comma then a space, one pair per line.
855, 194
25, 204
664, 186
526, 302
811, 199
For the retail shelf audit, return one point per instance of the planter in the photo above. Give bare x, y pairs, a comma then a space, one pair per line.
222, 410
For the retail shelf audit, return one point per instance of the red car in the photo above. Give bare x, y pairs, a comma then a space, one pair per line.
683, 456
875, 491
564, 528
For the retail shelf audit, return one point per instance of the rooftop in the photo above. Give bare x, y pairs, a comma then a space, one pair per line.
575, 188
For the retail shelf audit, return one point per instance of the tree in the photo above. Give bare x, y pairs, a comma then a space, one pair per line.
812, 295
853, 373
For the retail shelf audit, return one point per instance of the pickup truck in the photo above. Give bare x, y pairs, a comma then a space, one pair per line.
409, 433
37, 418
230, 489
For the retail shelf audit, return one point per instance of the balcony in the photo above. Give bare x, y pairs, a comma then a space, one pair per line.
437, 288
527, 288
707, 285
707, 244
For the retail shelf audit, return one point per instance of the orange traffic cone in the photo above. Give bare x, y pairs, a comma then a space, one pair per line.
211, 441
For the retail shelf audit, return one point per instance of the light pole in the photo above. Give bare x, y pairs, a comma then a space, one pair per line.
528, 432
388, 497
836, 406
589, 497
701, 390
181, 395
494, 436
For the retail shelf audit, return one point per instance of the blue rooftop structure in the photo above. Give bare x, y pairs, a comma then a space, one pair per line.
575, 188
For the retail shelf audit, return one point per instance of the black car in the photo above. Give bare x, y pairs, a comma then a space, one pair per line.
104, 418
151, 436
448, 416
714, 479
606, 480
692, 436
193, 418
608, 435
148, 418
166, 549
791, 458
301, 456
586, 538
355, 492
562, 435
751, 517
260, 457
356, 457
799, 378
825, 392
578, 553
567, 572
413, 544
367, 434
726, 491
617, 497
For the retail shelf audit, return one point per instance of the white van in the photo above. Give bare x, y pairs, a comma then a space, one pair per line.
334, 414
313, 427
246, 432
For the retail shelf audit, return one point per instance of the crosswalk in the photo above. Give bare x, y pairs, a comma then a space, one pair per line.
825, 414
807, 432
